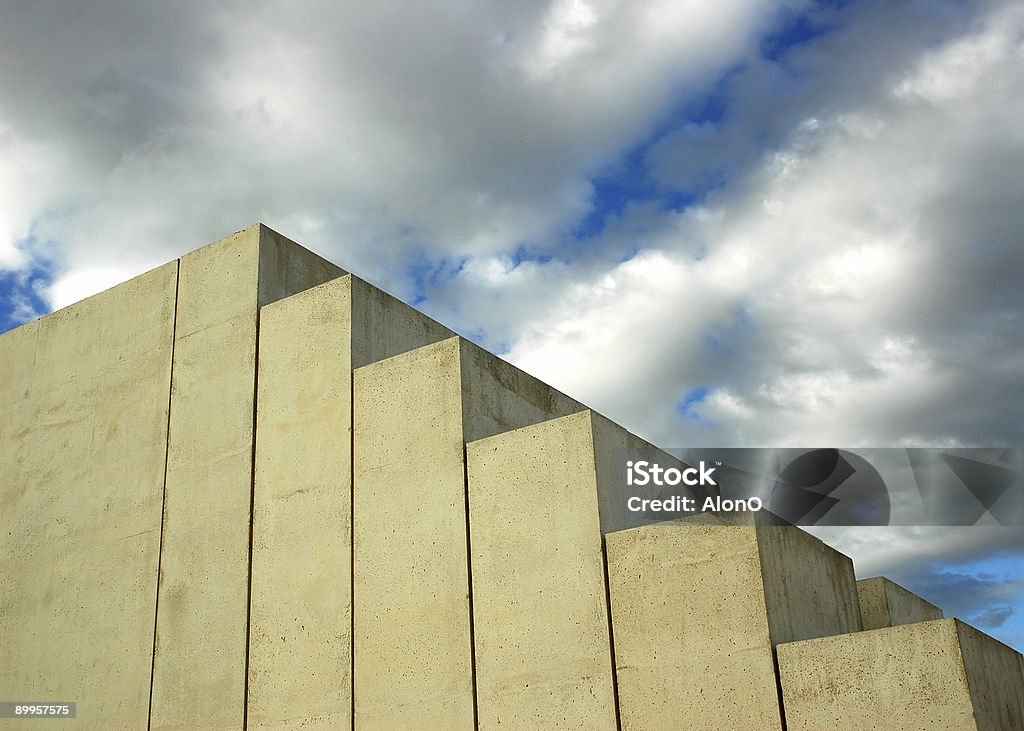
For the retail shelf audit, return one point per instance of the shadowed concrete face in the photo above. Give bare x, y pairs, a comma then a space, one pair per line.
938, 675
300, 633
83, 437
412, 633
886, 604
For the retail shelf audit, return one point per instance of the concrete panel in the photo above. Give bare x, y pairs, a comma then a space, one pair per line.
300, 627
810, 588
412, 416
692, 646
936, 675
83, 427
996, 679
202, 610
887, 604
541, 628
699, 603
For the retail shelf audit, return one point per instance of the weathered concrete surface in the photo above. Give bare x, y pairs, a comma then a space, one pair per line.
412, 416
199, 666
884, 603
83, 427
300, 664
997, 692
697, 606
541, 628
692, 647
937, 675
810, 588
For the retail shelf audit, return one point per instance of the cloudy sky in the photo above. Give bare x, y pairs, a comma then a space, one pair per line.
739, 223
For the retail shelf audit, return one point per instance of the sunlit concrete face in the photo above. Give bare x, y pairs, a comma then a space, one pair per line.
83, 439
941, 674
201, 626
413, 415
540, 615
539, 499
300, 663
697, 607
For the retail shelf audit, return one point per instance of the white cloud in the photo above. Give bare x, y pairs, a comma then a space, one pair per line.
30, 175
370, 133
832, 287
81, 283
862, 281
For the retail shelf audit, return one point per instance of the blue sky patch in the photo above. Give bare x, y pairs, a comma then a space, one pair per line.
20, 293
693, 398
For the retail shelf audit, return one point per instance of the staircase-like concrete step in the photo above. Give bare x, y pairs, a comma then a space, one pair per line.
698, 606
884, 603
300, 663
941, 674
413, 415
537, 499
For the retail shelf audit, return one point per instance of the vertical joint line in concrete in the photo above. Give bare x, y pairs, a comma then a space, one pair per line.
163, 492
611, 631
778, 688
469, 576
775, 654
252, 509
607, 584
352, 542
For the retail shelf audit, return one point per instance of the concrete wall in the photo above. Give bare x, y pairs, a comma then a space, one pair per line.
130, 416
202, 610
83, 435
692, 646
887, 604
996, 679
937, 675
540, 612
300, 663
614, 447
810, 588
412, 416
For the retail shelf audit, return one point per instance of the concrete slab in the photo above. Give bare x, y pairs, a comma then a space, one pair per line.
412, 416
300, 663
540, 614
83, 434
810, 588
941, 674
997, 692
204, 571
697, 606
884, 603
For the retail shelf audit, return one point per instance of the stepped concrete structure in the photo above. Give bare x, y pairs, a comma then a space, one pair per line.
884, 603
249, 490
